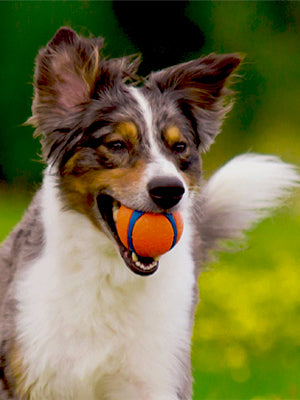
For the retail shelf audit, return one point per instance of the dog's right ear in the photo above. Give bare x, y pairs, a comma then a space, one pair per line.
68, 72
65, 73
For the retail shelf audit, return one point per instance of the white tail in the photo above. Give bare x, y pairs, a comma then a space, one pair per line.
240, 194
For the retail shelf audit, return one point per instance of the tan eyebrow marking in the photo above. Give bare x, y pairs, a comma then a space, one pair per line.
172, 135
128, 130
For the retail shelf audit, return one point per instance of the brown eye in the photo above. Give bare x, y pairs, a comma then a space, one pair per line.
179, 147
116, 145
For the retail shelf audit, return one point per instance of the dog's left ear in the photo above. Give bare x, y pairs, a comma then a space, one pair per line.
200, 88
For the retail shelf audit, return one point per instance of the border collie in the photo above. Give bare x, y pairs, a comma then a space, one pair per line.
82, 317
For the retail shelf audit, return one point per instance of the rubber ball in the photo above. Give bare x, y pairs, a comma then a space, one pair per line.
148, 234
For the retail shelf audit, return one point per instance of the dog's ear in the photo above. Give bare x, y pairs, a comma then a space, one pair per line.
65, 73
200, 88
69, 70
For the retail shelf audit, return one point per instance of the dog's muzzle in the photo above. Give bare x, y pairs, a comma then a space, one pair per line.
165, 193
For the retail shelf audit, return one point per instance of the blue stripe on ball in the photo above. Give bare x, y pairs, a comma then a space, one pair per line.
174, 226
134, 217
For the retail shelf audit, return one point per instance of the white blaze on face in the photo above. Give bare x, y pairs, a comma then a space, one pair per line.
159, 166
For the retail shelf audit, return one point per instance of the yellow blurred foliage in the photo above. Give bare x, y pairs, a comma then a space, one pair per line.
250, 302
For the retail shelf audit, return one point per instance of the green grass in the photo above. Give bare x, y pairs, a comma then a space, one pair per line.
246, 342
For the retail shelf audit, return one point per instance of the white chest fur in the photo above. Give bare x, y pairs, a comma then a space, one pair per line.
91, 329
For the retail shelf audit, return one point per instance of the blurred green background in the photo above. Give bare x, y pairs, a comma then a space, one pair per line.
246, 341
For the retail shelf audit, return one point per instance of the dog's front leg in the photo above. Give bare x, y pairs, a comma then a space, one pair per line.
170, 396
179, 394
124, 387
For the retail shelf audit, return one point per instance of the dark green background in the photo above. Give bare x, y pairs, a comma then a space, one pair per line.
266, 117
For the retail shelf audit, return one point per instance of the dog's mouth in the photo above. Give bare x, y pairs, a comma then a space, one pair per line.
109, 207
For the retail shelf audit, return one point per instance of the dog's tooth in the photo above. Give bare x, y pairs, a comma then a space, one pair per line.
145, 267
115, 212
134, 257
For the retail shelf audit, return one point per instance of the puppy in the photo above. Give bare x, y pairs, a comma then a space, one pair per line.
82, 317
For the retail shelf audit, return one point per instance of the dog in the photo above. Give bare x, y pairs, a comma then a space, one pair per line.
82, 317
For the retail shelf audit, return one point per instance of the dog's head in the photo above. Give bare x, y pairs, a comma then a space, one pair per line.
116, 139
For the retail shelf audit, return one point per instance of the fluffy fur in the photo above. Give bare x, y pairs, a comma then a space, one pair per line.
78, 319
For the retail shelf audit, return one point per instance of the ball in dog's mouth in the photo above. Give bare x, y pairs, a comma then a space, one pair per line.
109, 208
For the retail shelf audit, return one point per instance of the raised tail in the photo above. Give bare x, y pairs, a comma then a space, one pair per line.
239, 195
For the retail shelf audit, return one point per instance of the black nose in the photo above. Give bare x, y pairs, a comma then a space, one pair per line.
165, 192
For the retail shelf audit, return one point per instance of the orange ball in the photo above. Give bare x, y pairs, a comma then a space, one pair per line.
148, 234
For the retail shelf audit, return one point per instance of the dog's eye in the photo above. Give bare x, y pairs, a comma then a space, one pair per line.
179, 147
116, 145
